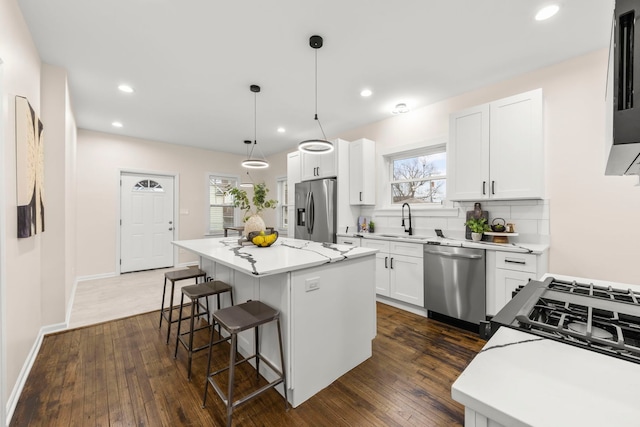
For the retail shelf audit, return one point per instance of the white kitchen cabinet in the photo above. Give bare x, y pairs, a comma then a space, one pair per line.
496, 150
293, 177
316, 166
399, 270
351, 241
508, 270
362, 179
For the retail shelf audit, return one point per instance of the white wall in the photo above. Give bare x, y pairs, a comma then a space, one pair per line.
100, 159
592, 217
35, 279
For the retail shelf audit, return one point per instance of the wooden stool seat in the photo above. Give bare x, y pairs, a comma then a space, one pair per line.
241, 317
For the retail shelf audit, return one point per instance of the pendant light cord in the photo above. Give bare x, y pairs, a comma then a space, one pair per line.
316, 116
255, 120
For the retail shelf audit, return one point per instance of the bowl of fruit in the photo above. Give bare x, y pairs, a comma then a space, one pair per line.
262, 239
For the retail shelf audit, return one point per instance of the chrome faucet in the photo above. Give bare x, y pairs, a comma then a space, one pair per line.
410, 230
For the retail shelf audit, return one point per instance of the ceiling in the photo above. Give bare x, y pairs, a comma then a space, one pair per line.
191, 62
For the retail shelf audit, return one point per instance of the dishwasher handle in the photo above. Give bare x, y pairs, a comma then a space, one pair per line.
447, 254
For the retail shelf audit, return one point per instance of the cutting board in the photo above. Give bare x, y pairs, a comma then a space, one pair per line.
472, 214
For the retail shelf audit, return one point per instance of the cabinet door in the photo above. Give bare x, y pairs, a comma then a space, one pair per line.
382, 273
406, 282
506, 282
361, 172
293, 176
382, 263
468, 154
316, 166
517, 149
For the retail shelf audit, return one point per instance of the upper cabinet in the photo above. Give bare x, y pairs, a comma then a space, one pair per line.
316, 166
362, 179
496, 150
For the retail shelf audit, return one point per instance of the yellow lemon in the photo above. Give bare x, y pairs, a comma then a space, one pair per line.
258, 240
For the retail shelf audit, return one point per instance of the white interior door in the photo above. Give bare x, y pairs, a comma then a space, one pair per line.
146, 222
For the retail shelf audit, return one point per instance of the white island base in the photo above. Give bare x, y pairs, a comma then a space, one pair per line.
328, 314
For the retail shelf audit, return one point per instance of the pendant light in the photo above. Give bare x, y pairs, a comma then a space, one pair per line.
247, 182
250, 162
316, 146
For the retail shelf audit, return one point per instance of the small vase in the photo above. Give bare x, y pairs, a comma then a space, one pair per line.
254, 223
476, 237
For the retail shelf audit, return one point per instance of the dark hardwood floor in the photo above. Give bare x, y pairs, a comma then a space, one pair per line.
121, 373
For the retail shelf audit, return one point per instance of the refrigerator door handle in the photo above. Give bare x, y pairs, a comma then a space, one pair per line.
312, 212
306, 208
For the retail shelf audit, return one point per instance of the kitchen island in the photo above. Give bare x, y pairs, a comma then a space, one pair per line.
324, 291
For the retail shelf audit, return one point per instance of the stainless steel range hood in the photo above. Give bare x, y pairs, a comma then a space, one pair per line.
623, 108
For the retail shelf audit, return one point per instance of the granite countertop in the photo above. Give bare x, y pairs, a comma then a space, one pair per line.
284, 255
535, 248
520, 379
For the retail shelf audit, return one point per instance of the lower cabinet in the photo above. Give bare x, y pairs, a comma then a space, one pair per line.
399, 272
508, 270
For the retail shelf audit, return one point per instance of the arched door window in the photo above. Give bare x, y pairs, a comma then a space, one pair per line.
148, 185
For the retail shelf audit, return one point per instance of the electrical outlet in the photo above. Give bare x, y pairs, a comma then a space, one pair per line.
312, 284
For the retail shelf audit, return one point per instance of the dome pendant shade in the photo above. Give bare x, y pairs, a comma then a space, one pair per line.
316, 146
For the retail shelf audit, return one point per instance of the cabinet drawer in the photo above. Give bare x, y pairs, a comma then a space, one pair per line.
382, 245
408, 249
351, 241
516, 261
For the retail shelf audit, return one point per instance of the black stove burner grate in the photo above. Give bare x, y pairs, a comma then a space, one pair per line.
603, 319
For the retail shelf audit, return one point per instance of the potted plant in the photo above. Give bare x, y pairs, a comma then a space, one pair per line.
477, 226
372, 226
251, 218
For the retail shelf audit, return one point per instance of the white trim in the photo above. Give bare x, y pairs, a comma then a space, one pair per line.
12, 401
402, 305
97, 276
414, 146
3, 262
176, 208
72, 299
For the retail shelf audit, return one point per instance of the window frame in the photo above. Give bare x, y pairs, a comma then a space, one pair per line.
215, 175
282, 194
433, 146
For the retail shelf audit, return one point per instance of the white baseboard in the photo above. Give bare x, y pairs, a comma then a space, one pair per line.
70, 302
96, 276
403, 306
12, 401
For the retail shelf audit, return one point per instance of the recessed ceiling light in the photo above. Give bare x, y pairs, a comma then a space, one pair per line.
125, 88
366, 92
547, 12
400, 109
281, 129
116, 124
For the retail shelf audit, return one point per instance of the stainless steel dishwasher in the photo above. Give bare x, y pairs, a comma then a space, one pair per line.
454, 282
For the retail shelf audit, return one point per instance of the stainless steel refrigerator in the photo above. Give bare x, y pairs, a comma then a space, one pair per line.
315, 210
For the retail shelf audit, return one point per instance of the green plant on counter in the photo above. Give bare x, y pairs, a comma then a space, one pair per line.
477, 225
260, 201
372, 226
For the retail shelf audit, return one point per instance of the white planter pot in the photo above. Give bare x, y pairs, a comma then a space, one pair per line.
254, 223
476, 237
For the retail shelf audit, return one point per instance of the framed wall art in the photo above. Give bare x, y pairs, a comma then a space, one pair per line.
29, 169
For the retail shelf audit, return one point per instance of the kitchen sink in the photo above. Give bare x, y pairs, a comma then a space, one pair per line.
401, 236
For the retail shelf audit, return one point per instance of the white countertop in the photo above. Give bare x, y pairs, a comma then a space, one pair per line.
508, 247
520, 379
284, 255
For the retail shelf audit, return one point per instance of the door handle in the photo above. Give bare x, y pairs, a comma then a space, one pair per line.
484, 187
361, 196
446, 254
170, 228
391, 262
385, 262
493, 187
515, 261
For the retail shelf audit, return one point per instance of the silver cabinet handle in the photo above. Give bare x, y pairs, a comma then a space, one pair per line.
446, 254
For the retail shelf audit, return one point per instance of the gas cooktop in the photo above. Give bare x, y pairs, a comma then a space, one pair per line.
598, 318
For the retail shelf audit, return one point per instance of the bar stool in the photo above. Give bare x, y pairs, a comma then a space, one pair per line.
194, 293
234, 320
173, 277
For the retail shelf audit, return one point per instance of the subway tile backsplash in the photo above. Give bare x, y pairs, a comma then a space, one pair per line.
530, 218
